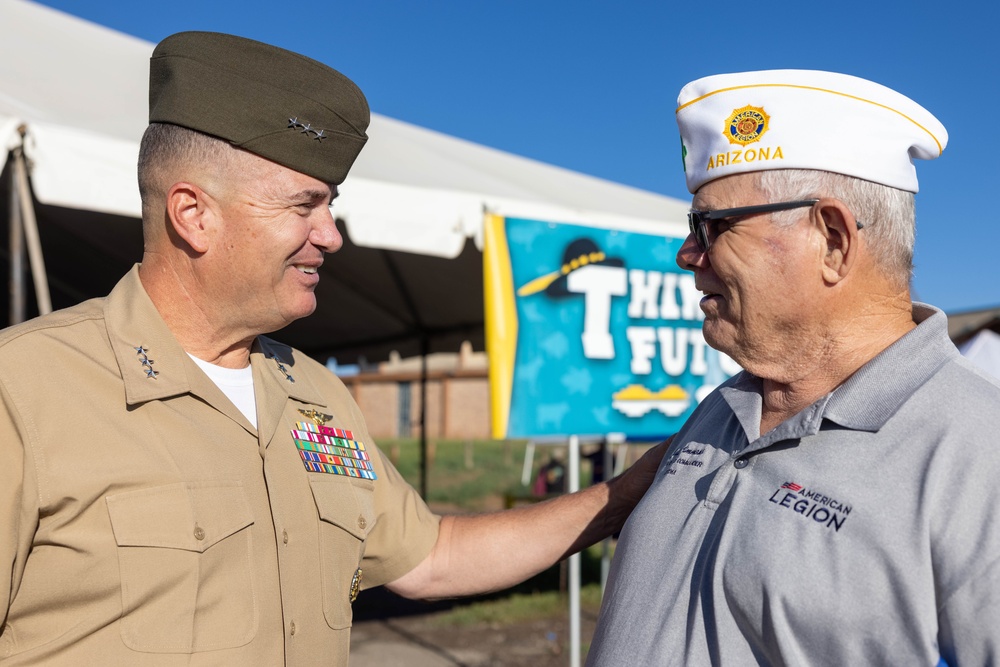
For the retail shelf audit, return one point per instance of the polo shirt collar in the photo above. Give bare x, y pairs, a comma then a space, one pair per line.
866, 400
870, 397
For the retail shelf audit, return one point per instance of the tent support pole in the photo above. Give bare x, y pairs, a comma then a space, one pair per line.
424, 351
34, 243
574, 560
16, 248
425, 345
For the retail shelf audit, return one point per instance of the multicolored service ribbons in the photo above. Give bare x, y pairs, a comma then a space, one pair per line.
332, 450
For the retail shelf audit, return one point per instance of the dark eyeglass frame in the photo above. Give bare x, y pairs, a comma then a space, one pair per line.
698, 220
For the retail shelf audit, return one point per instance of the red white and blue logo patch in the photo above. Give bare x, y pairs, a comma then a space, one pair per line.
811, 504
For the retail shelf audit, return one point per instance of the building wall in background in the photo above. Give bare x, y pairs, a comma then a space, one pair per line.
457, 397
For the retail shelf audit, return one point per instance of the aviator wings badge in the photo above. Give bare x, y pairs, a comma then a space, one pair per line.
316, 416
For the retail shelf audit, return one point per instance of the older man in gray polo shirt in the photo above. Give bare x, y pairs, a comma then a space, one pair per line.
844, 509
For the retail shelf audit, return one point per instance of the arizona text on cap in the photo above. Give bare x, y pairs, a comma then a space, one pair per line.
274, 103
802, 119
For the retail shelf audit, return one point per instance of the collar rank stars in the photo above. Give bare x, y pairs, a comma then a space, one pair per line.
147, 363
281, 367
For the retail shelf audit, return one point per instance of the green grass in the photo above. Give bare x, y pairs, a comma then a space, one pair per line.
518, 608
541, 597
496, 470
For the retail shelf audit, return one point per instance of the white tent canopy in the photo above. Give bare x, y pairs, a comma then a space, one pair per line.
79, 91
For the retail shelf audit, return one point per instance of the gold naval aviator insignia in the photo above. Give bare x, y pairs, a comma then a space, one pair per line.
317, 417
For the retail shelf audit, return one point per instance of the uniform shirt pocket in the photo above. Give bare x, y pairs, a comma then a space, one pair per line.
347, 515
184, 553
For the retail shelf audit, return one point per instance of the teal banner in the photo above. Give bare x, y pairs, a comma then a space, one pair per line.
609, 334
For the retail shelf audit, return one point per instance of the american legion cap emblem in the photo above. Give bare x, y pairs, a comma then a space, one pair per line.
746, 125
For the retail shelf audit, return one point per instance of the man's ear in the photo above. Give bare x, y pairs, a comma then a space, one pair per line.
191, 213
838, 226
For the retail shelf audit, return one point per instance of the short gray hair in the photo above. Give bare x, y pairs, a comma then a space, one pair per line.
888, 214
164, 145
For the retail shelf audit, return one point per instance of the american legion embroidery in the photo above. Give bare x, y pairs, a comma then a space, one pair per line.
332, 450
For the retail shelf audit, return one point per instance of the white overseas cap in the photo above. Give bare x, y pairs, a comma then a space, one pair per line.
803, 119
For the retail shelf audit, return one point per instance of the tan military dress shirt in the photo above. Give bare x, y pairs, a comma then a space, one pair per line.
144, 521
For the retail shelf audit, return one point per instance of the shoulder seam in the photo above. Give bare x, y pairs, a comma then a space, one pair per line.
43, 323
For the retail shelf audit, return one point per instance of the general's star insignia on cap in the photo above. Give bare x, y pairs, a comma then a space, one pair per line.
307, 129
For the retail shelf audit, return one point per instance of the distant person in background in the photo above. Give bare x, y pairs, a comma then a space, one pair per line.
178, 489
837, 502
551, 478
596, 459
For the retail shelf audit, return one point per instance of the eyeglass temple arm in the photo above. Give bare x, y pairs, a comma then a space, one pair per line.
764, 208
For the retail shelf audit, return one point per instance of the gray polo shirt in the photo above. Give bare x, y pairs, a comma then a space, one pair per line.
863, 531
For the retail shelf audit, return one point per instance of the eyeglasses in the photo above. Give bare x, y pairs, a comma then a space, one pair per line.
698, 220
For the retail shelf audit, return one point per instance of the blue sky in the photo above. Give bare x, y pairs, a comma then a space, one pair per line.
592, 86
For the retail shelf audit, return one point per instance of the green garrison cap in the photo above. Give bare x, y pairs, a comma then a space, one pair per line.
274, 103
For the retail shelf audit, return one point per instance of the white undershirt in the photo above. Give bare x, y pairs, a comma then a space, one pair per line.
235, 383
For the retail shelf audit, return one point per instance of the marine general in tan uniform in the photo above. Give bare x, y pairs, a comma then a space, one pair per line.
178, 489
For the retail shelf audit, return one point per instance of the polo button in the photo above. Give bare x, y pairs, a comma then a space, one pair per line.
291, 628
362, 524
199, 533
741, 462
284, 536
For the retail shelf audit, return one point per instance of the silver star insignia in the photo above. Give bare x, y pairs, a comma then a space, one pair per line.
140, 350
320, 136
281, 367
293, 122
307, 128
150, 373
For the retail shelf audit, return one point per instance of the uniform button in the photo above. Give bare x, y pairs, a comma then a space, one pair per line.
199, 533
284, 536
362, 523
291, 628
741, 462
